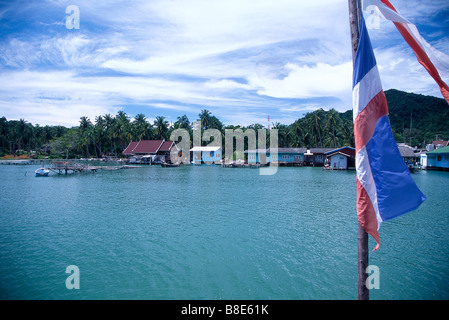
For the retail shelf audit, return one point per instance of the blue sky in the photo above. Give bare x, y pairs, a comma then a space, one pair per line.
243, 60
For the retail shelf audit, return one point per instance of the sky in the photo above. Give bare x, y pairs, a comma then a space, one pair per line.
243, 60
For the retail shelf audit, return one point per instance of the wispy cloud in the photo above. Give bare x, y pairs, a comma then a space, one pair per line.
243, 60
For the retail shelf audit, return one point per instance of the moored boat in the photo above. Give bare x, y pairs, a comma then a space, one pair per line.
169, 165
42, 172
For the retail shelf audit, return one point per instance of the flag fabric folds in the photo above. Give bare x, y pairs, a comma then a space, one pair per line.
385, 188
427, 56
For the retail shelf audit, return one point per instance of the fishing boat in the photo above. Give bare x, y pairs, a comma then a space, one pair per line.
169, 165
42, 172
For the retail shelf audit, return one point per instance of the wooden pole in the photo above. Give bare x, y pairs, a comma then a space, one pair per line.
355, 14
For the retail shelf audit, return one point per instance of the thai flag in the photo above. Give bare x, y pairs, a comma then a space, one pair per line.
385, 188
430, 58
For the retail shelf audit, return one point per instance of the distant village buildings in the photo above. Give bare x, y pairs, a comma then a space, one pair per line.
341, 159
207, 155
438, 158
149, 151
434, 157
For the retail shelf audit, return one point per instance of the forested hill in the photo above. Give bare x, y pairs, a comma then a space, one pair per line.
429, 117
416, 120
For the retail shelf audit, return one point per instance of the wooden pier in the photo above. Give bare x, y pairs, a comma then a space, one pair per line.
66, 167
22, 162
241, 165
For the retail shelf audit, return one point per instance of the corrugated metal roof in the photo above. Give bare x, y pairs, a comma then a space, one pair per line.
129, 149
205, 149
440, 150
148, 146
279, 150
347, 151
320, 150
406, 152
166, 146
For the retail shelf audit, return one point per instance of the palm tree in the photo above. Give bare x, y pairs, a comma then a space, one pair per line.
99, 133
182, 123
20, 131
160, 128
297, 133
205, 118
348, 133
3, 130
317, 127
141, 127
109, 131
85, 129
332, 122
29, 135
283, 134
123, 129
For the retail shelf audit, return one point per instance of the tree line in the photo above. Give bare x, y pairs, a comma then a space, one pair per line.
109, 135
415, 119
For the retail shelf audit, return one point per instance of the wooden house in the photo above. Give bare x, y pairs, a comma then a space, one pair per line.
284, 156
208, 155
149, 151
407, 153
316, 156
340, 159
436, 160
440, 144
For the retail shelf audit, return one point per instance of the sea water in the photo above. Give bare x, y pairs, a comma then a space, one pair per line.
207, 232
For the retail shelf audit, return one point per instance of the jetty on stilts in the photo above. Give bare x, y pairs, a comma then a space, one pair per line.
66, 167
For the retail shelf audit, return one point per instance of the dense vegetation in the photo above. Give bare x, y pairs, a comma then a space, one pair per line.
415, 119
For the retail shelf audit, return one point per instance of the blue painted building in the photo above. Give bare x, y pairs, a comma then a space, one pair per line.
437, 159
284, 156
341, 158
208, 155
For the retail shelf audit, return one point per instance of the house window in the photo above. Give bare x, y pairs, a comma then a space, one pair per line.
285, 157
439, 158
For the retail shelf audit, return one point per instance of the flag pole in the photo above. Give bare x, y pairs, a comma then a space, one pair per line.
355, 14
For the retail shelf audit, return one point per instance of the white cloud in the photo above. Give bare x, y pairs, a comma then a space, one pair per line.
241, 59
400, 70
307, 82
227, 84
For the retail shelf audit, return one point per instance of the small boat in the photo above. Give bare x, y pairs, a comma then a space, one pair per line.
42, 172
169, 165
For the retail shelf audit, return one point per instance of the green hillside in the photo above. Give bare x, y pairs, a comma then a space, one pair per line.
429, 117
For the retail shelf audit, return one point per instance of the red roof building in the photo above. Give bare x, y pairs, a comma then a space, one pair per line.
440, 144
130, 148
166, 146
342, 158
148, 147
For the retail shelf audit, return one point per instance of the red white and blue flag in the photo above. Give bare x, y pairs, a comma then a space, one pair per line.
385, 188
430, 58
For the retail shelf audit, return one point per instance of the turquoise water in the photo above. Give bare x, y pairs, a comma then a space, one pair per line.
206, 232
